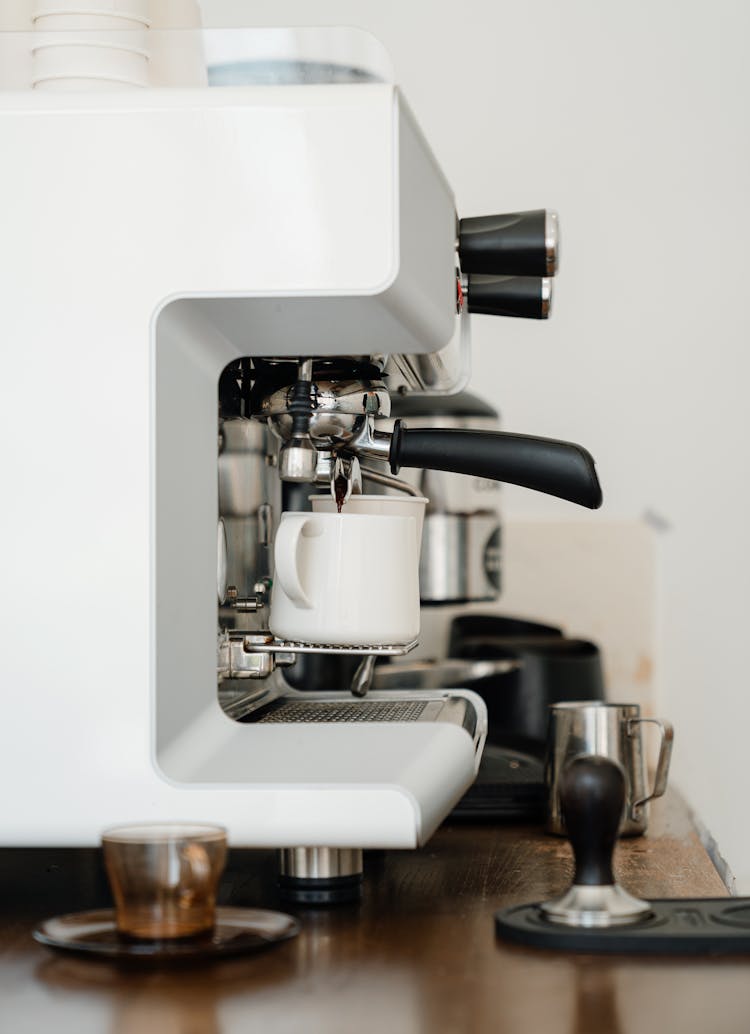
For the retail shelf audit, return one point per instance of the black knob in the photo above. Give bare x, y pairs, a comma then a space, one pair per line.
515, 244
529, 297
592, 797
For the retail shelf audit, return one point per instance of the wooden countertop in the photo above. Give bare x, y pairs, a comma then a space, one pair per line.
418, 955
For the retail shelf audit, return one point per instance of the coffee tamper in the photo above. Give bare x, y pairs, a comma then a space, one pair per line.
596, 914
592, 798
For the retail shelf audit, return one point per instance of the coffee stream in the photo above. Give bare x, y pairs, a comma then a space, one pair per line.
340, 485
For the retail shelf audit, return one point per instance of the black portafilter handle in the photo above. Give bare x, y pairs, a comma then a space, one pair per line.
557, 468
592, 797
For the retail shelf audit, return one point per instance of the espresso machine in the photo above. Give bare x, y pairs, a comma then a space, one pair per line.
212, 295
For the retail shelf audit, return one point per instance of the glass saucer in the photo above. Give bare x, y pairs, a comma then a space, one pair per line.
237, 931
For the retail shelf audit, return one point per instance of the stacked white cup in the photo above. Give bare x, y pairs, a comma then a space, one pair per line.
90, 44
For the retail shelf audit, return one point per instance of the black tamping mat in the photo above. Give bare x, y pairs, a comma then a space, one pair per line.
675, 926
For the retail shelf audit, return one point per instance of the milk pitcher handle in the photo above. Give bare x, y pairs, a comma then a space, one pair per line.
662, 765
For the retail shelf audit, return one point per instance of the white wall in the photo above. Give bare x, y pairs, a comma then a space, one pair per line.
631, 120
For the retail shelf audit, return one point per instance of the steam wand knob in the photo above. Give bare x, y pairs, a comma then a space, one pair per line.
592, 798
528, 297
507, 261
511, 244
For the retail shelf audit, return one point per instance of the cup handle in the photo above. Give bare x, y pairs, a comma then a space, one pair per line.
285, 559
662, 765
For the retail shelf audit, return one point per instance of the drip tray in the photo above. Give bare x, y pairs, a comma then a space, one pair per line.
302, 708
351, 711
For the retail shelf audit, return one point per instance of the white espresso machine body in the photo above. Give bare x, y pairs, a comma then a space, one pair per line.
150, 237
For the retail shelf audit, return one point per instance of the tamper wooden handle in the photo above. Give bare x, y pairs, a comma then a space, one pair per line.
592, 798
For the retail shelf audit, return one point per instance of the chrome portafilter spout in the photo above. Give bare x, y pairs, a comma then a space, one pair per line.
345, 479
592, 798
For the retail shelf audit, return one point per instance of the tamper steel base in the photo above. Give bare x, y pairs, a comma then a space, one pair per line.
596, 906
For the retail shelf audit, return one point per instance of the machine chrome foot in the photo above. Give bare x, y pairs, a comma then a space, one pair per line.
321, 875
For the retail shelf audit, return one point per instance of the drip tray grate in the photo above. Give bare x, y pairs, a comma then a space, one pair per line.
264, 643
349, 711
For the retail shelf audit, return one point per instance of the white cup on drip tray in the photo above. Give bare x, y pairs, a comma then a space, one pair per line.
346, 579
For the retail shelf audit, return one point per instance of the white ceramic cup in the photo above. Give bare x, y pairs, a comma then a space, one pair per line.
347, 579
91, 14
119, 59
387, 505
100, 45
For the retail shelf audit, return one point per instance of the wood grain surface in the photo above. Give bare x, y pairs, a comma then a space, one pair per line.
418, 955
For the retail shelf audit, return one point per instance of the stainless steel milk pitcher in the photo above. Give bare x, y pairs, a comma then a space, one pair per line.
612, 731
